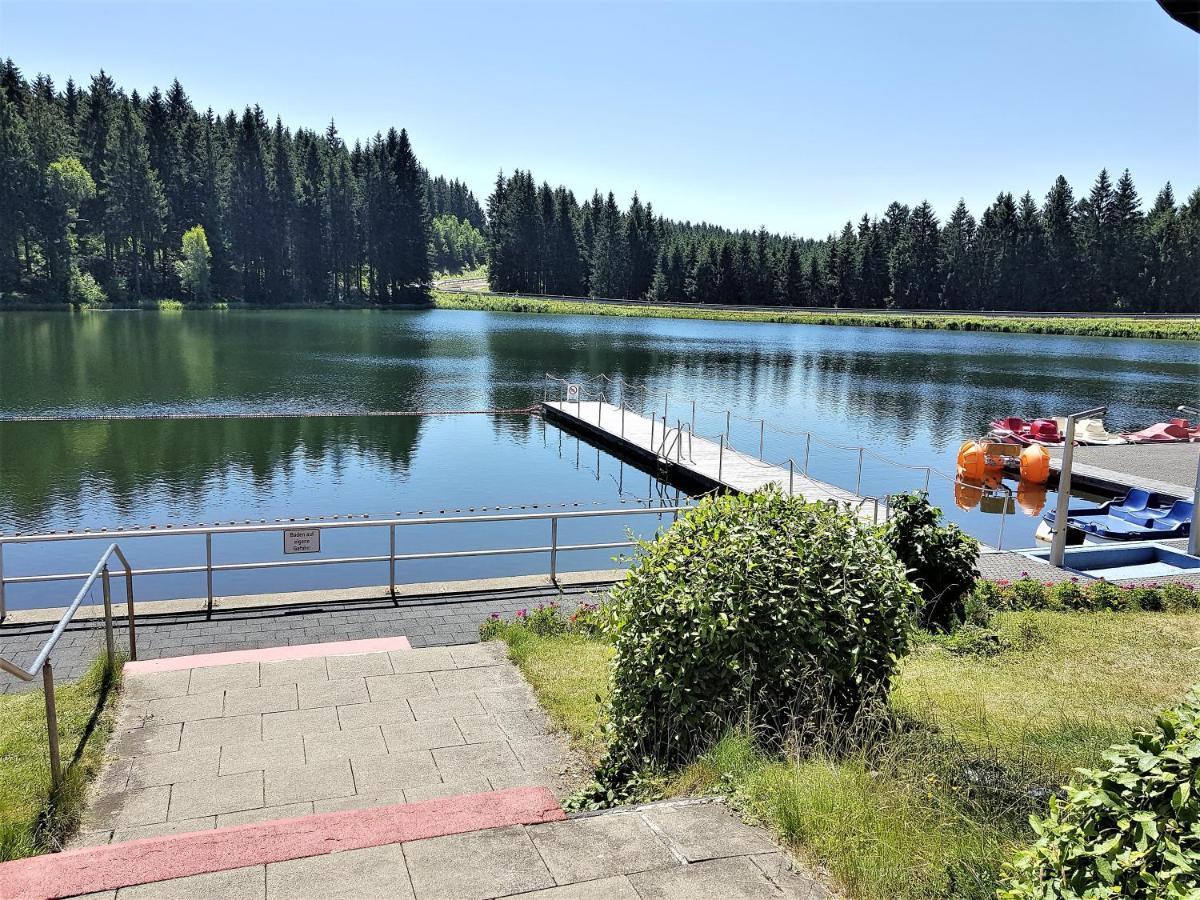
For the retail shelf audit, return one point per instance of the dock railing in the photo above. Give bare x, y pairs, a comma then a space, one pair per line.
43, 664
598, 387
392, 525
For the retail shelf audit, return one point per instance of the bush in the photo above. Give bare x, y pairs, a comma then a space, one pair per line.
547, 619
1132, 830
84, 290
1028, 593
758, 608
941, 559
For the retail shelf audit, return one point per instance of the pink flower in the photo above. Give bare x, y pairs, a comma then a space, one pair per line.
522, 613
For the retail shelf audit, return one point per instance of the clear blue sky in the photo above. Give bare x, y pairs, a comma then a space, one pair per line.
793, 115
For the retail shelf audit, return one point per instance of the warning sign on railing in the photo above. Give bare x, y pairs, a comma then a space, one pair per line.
302, 540
573, 392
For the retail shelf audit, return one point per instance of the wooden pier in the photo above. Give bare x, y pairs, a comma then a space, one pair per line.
708, 464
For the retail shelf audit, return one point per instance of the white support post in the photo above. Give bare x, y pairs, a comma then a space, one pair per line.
1194, 536
1058, 546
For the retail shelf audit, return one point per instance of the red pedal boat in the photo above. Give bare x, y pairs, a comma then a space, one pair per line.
1015, 430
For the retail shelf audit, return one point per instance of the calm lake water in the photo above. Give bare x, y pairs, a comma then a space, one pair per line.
911, 397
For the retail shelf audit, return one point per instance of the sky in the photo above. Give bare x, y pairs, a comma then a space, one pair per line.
797, 116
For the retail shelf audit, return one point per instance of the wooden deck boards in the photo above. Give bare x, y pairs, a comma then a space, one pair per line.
700, 456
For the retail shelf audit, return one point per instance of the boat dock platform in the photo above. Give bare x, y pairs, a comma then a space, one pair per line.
688, 458
1169, 469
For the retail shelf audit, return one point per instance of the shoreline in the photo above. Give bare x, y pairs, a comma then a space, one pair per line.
1182, 328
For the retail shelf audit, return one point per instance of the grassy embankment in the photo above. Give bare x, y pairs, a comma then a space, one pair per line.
33, 819
1168, 329
937, 808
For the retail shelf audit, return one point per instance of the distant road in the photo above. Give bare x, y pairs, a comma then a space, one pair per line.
480, 286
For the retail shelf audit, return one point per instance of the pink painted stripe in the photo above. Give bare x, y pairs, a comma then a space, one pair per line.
267, 654
112, 866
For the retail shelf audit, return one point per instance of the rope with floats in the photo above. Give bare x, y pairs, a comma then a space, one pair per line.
306, 414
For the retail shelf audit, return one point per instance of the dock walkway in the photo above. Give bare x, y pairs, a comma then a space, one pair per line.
703, 460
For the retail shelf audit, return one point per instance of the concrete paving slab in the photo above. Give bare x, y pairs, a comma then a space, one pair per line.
301, 721
429, 659
149, 687
272, 698
373, 872
188, 708
147, 739
223, 732
429, 708
257, 756
394, 771
405, 736
778, 868
344, 691
218, 678
360, 801
220, 794
399, 687
730, 879
424, 792
264, 814
317, 781
168, 768
468, 681
382, 712
128, 808
589, 848
476, 866
617, 887
338, 745
249, 883
358, 665
180, 826
703, 831
480, 729
293, 671
463, 762
486, 654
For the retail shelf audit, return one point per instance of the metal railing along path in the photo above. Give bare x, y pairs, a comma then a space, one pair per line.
42, 663
210, 568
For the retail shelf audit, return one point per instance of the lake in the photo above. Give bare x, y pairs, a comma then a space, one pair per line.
908, 396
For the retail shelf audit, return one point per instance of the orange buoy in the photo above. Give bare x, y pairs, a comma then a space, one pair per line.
1035, 464
972, 461
1031, 498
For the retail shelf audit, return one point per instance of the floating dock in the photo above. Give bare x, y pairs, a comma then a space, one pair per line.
697, 461
1168, 469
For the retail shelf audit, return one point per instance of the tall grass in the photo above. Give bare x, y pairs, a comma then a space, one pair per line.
1099, 326
33, 818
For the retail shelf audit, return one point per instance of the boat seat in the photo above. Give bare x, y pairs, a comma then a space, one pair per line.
1179, 515
1137, 500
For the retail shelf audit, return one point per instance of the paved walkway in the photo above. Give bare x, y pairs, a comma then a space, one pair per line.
220, 745
437, 621
371, 769
1165, 468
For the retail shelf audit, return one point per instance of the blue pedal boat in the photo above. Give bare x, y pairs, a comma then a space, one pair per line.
1138, 516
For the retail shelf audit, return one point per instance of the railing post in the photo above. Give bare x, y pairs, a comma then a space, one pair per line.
807, 445
858, 481
129, 603
693, 421
208, 572
791, 478
599, 409
1003, 511
666, 411
3, 608
108, 628
927, 479
721, 460
728, 428
762, 435
392, 561
52, 724
554, 548
622, 415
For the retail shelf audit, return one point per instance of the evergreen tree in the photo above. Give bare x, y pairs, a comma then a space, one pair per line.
18, 180
135, 204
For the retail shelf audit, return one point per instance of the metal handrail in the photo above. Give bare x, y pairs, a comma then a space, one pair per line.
42, 662
391, 557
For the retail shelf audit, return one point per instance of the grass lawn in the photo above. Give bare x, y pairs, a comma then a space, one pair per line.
1172, 329
31, 820
935, 810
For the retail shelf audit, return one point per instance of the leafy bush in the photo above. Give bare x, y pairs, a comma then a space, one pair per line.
1028, 593
84, 290
1132, 830
941, 559
760, 608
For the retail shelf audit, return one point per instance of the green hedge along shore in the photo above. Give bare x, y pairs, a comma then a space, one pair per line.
1160, 329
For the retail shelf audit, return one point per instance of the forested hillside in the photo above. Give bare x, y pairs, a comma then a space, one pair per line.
108, 195
1100, 252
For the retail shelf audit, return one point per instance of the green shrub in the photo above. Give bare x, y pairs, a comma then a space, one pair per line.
84, 290
941, 559
1178, 597
761, 609
547, 619
1132, 830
